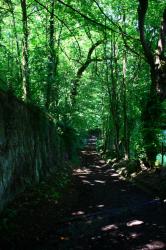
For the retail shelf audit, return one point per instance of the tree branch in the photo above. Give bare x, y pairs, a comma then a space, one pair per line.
82, 69
162, 40
86, 17
62, 21
142, 10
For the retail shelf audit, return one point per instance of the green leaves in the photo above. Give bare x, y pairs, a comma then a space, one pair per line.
78, 25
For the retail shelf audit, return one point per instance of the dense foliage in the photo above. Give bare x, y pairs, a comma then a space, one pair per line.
86, 64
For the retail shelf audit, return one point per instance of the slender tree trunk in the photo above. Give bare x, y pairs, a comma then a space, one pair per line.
124, 102
113, 127
10, 66
114, 96
18, 59
25, 58
125, 118
52, 63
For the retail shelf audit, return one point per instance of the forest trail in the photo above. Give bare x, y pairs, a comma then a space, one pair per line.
103, 211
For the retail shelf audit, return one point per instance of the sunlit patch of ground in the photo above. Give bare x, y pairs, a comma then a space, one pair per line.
83, 171
153, 245
78, 213
134, 223
109, 227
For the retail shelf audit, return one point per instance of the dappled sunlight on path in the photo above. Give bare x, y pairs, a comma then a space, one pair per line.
101, 210
108, 212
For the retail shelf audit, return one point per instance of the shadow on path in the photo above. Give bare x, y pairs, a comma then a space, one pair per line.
102, 211
107, 212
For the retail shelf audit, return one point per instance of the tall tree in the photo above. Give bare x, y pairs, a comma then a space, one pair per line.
157, 59
52, 58
157, 93
25, 56
18, 59
124, 103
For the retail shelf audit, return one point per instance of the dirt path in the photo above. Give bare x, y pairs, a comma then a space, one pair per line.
102, 211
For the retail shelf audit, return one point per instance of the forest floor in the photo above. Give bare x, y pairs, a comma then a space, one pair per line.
99, 210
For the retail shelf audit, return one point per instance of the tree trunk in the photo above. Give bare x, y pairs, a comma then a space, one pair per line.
125, 118
157, 93
124, 102
18, 59
113, 96
157, 59
52, 60
151, 121
25, 58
